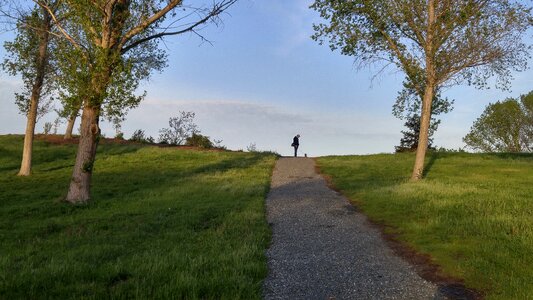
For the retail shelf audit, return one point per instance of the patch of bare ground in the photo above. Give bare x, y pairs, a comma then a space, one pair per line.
450, 287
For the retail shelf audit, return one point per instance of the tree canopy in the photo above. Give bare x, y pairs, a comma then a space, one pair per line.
504, 126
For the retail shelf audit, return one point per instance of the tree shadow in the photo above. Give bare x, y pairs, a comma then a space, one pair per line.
508, 155
153, 178
430, 162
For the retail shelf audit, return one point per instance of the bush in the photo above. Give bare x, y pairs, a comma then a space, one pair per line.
139, 137
198, 140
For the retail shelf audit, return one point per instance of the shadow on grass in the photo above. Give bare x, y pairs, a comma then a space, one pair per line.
528, 156
115, 239
112, 150
430, 162
109, 184
46, 153
109, 187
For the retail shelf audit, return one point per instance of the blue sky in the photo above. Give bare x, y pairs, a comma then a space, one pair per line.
264, 80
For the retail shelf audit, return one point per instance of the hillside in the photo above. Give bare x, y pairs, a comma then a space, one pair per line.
472, 214
185, 223
163, 223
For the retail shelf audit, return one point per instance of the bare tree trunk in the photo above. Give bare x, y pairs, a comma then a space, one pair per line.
42, 62
70, 125
25, 166
80, 184
423, 137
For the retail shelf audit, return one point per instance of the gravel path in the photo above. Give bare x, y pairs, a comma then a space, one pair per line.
322, 248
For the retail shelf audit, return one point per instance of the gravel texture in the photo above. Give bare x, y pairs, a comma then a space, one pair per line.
322, 248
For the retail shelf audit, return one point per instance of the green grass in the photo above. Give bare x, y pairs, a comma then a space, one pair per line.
473, 213
163, 223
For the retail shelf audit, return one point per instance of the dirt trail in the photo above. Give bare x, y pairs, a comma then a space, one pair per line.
322, 248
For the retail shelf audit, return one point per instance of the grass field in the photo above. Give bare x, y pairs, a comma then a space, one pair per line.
473, 213
163, 223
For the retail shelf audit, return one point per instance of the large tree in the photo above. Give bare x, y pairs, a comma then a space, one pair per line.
441, 42
117, 41
29, 55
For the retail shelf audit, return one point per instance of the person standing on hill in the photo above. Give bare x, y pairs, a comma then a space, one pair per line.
296, 144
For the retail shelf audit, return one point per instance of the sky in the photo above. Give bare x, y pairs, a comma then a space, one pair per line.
263, 80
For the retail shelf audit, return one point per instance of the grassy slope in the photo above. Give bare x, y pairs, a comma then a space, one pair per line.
473, 213
164, 223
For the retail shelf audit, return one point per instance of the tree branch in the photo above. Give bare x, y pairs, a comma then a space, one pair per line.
57, 23
215, 11
146, 23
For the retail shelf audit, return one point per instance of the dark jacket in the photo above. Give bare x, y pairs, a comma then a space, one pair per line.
295, 141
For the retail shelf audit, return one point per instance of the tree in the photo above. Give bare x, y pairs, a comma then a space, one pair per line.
526, 102
408, 107
409, 141
437, 43
503, 127
29, 55
180, 128
70, 111
116, 42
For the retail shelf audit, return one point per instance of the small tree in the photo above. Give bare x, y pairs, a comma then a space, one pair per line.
503, 127
251, 148
408, 107
47, 128
180, 128
435, 43
409, 141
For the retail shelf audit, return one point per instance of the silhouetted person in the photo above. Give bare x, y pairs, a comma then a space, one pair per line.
296, 144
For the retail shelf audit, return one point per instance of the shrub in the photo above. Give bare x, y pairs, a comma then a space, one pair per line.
198, 140
139, 137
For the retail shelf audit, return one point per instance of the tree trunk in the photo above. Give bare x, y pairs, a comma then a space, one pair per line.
25, 166
423, 137
42, 62
80, 184
70, 125
429, 91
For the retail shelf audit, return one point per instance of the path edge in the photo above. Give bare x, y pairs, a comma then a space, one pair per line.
424, 265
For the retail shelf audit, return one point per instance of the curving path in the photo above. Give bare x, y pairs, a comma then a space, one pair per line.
322, 248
